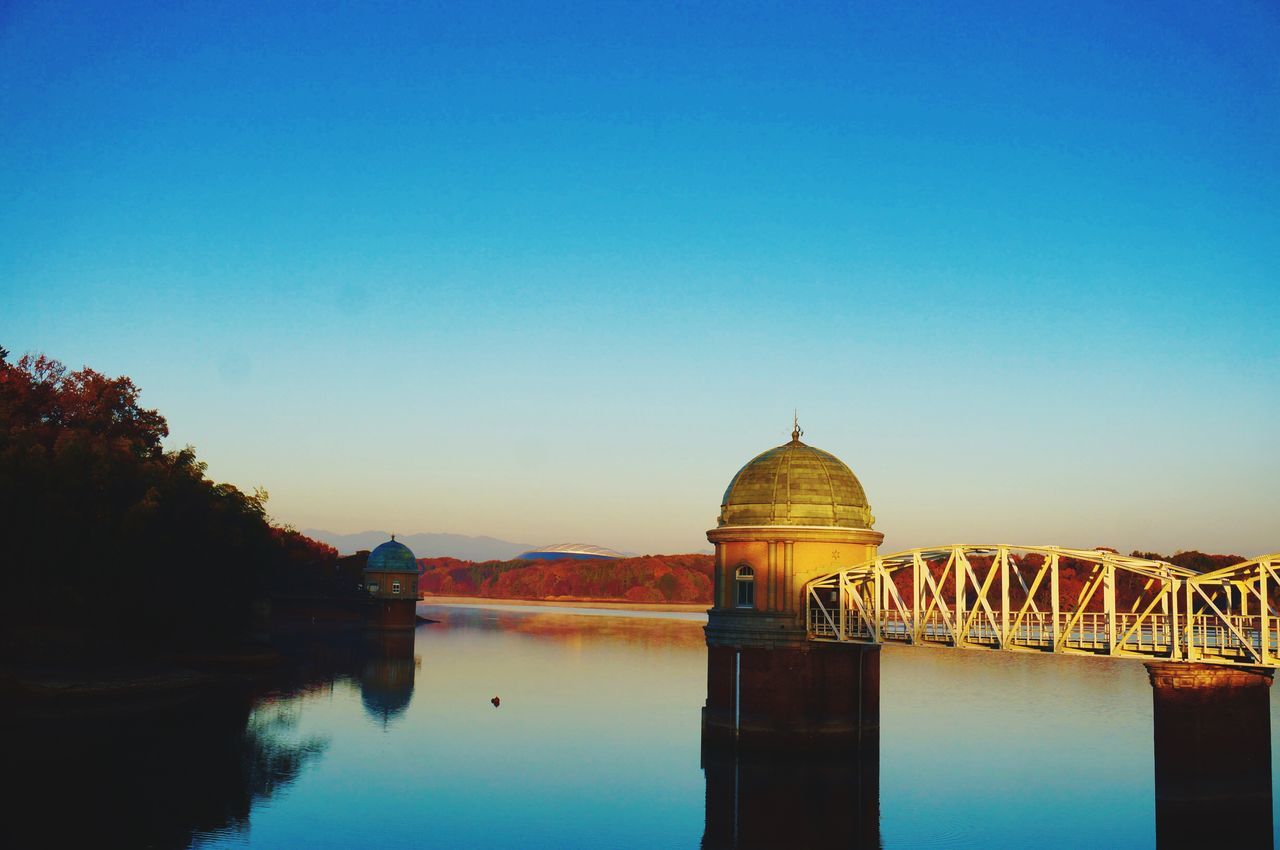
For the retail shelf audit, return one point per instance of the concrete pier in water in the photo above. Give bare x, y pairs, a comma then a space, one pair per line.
1212, 726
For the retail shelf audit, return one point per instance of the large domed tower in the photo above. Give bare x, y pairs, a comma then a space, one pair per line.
792, 514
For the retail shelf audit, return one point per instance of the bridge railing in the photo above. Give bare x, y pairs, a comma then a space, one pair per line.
1049, 599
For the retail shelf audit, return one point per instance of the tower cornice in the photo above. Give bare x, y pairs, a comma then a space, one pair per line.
794, 533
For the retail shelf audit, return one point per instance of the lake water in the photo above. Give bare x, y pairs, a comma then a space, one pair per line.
595, 744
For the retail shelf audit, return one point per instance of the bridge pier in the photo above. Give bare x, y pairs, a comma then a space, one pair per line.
1212, 754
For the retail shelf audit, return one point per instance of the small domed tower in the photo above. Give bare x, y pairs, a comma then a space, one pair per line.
391, 579
792, 514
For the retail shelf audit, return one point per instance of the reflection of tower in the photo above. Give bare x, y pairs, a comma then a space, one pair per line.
814, 800
391, 580
1213, 755
792, 514
386, 685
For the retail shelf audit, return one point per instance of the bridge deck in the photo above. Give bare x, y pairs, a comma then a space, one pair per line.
1049, 599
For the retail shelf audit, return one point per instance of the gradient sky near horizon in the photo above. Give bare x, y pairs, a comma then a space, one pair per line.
554, 272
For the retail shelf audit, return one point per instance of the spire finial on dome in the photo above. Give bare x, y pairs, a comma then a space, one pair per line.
796, 432
393, 537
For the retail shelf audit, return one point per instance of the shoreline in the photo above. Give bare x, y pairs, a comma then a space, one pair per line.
611, 605
131, 685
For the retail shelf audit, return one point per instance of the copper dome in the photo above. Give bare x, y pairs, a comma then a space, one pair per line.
796, 484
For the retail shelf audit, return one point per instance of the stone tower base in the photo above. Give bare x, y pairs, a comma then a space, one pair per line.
811, 696
392, 614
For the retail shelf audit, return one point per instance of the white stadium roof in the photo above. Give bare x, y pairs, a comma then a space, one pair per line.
571, 549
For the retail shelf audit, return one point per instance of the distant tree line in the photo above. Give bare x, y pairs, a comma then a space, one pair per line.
114, 544
688, 578
1193, 560
652, 578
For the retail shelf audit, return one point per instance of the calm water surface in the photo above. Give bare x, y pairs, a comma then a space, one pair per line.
596, 745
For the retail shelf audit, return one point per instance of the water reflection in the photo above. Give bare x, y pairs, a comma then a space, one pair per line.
136, 774
387, 677
393, 743
151, 778
655, 630
761, 802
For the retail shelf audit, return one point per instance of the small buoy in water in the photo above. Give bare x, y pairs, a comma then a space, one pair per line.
496, 702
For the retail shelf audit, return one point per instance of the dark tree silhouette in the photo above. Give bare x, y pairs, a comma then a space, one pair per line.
114, 545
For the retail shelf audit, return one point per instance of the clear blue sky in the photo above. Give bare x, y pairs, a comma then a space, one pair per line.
554, 272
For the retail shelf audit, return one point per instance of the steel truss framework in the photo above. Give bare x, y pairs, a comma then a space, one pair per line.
1051, 599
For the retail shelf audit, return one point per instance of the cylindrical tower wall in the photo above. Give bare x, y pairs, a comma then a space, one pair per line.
817, 697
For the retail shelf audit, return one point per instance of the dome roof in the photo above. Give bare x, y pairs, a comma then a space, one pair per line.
796, 484
391, 557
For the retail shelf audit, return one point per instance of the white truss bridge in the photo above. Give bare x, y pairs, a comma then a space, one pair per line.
1051, 599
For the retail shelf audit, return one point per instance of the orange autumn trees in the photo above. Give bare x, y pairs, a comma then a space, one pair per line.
649, 579
113, 545
688, 578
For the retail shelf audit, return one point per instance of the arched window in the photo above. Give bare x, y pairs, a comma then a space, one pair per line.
745, 579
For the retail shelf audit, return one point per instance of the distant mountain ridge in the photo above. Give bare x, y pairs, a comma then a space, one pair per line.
426, 544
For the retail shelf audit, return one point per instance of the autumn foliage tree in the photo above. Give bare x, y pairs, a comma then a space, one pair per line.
114, 543
651, 579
